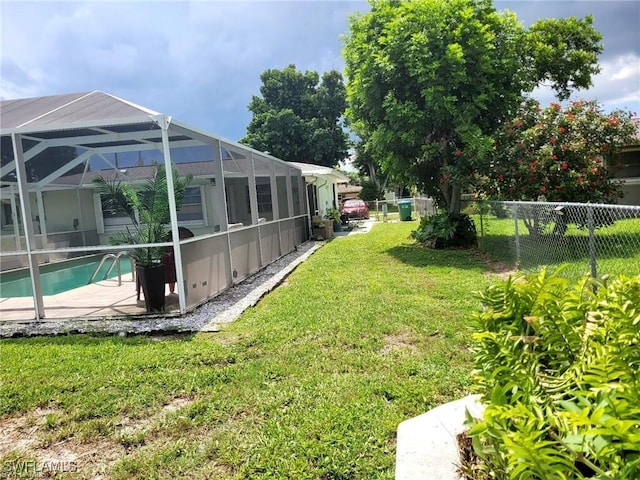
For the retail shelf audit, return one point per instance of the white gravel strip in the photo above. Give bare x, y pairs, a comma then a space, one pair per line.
231, 313
224, 308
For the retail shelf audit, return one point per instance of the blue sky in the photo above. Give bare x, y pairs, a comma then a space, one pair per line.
201, 61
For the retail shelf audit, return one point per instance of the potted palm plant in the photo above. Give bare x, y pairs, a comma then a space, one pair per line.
148, 211
336, 222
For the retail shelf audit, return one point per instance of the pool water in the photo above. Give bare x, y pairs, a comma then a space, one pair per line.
60, 277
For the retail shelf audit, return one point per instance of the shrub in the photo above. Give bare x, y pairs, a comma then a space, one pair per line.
446, 230
333, 214
500, 210
371, 191
559, 370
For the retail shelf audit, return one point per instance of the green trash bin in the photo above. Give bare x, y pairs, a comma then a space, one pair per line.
404, 206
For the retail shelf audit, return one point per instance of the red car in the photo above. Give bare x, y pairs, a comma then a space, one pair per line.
355, 209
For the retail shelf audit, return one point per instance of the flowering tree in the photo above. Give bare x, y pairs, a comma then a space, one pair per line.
558, 154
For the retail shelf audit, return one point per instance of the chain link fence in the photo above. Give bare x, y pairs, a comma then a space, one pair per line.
387, 210
592, 239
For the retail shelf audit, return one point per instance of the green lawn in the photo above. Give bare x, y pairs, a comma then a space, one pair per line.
617, 247
311, 383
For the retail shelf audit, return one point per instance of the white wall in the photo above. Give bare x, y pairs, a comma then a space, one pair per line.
325, 190
62, 208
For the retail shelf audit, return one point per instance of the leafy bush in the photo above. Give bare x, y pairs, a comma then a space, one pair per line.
371, 191
333, 214
500, 210
559, 370
446, 230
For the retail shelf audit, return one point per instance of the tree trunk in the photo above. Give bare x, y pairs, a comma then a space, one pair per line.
455, 202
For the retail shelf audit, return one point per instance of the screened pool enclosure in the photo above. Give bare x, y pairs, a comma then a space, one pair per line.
244, 208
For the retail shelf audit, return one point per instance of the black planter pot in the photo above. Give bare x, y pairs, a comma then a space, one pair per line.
152, 282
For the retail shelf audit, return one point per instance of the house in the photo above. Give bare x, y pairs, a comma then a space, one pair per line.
348, 192
322, 186
629, 172
245, 207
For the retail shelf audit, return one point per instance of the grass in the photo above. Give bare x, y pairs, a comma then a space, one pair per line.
311, 383
617, 247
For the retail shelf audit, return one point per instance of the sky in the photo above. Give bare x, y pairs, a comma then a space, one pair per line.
201, 61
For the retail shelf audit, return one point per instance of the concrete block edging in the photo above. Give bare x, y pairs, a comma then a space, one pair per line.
427, 446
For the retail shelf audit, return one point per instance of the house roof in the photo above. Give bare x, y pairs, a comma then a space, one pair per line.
311, 170
68, 111
349, 188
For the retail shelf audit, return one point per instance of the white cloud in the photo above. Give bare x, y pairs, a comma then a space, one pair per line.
617, 86
201, 61
629, 68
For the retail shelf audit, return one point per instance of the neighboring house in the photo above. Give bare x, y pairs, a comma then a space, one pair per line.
348, 192
629, 173
322, 186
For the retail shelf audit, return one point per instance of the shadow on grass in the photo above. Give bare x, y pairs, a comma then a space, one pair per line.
93, 339
419, 256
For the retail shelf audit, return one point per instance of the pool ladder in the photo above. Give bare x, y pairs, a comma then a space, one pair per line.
115, 262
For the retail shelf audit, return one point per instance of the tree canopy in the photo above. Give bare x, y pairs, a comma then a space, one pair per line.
560, 154
429, 81
299, 116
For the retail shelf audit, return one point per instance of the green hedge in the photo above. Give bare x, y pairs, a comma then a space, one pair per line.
558, 366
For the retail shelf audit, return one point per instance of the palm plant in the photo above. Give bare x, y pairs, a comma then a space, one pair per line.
148, 210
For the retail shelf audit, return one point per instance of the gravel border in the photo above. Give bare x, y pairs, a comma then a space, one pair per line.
208, 317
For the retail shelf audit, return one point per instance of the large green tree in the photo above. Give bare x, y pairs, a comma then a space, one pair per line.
299, 116
429, 81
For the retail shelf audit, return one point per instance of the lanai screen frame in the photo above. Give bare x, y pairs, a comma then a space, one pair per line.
134, 129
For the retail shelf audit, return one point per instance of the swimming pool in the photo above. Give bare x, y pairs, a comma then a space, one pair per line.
59, 277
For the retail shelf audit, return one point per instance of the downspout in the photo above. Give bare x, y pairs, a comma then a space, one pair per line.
320, 186
309, 214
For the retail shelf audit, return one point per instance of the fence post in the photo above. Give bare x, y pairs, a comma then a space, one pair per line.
592, 242
515, 219
481, 222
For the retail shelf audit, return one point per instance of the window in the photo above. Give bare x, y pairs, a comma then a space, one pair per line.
113, 218
192, 210
7, 214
